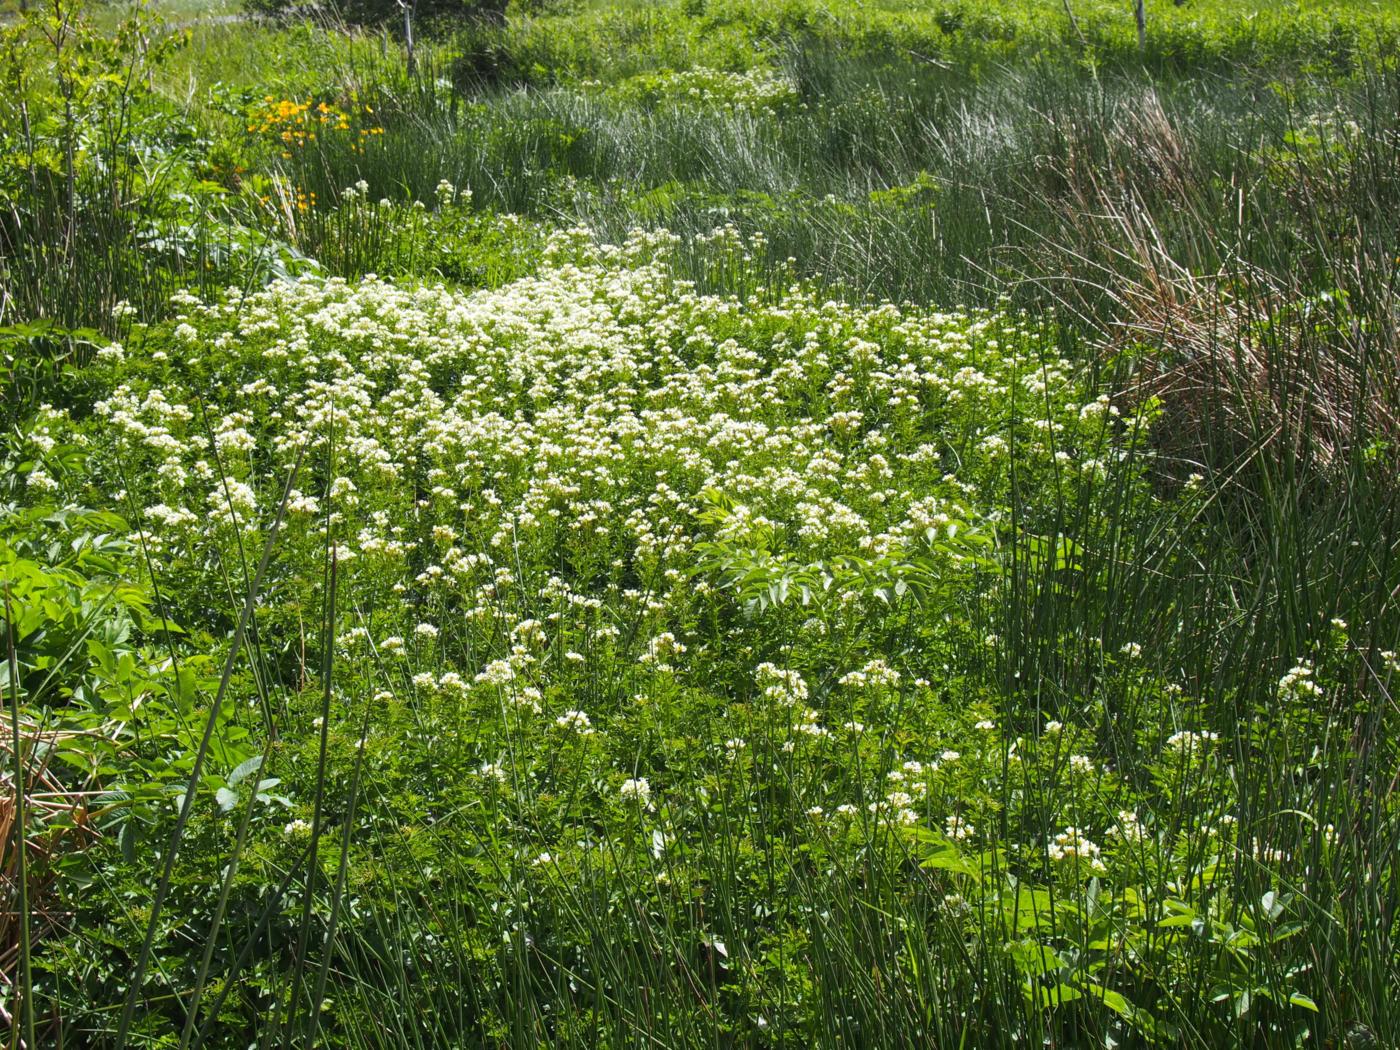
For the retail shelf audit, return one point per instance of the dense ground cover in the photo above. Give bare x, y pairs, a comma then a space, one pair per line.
702, 525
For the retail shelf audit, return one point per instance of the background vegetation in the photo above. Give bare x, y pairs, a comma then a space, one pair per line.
701, 524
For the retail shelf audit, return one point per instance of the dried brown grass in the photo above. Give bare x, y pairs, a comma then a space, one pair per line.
1244, 362
58, 824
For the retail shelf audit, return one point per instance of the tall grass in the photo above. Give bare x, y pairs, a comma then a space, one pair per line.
898, 180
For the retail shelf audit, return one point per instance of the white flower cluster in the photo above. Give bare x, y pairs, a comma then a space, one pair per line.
958, 829
1129, 828
660, 649
636, 790
782, 687
1191, 742
701, 86
1298, 684
576, 722
1072, 845
874, 674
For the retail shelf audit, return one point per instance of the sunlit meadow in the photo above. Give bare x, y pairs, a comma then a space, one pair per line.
788, 529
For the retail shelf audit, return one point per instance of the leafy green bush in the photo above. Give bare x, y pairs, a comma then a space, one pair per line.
100, 200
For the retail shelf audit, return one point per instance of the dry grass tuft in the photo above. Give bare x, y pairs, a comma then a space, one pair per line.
1244, 361
58, 824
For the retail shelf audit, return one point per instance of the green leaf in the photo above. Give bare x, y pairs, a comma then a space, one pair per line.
243, 769
1113, 1000
1034, 959
1049, 996
1176, 920
949, 860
